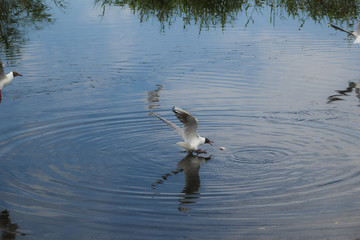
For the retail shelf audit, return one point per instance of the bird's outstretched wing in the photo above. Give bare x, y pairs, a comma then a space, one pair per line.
190, 123
341, 29
170, 124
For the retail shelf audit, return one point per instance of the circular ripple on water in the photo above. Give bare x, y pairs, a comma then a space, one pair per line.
95, 171
258, 155
101, 166
79, 165
284, 164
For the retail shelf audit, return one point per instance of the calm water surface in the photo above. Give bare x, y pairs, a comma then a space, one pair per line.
81, 158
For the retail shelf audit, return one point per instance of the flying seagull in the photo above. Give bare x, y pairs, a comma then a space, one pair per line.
189, 132
355, 34
5, 79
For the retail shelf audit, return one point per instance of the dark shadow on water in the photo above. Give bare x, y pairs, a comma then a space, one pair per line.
342, 94
190, 165
8, 229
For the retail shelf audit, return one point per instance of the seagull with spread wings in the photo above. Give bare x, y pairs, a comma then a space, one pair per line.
189, 132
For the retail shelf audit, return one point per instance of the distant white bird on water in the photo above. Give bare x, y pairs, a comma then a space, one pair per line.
189, 133
355, 34
5, 79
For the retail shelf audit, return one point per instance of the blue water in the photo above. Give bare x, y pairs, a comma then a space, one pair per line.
81, 158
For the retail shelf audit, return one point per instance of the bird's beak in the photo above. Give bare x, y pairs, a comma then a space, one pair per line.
17, 74
208, 141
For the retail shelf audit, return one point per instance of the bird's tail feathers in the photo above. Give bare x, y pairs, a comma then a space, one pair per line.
184, 145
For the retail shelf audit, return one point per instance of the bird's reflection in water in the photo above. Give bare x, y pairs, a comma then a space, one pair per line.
153, 97
190, 165
343, 93
8, 229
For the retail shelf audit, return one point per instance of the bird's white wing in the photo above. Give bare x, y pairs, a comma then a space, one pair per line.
2, 72
170, 124
190, 123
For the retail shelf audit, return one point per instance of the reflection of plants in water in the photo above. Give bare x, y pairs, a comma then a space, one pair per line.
18, 15
208, 13
202, 12
8, 229
318, 11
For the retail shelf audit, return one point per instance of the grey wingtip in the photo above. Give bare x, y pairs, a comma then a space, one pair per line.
154, 114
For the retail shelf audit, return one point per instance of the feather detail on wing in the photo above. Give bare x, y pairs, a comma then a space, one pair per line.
170, 124
190, 123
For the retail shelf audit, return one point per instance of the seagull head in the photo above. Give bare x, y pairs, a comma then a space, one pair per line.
17, 74
208, 141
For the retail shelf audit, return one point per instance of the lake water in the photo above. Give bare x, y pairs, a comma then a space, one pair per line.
81, 158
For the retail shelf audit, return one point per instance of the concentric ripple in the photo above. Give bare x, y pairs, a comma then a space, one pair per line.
124, 171
259, 155
70, 161
298, 162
